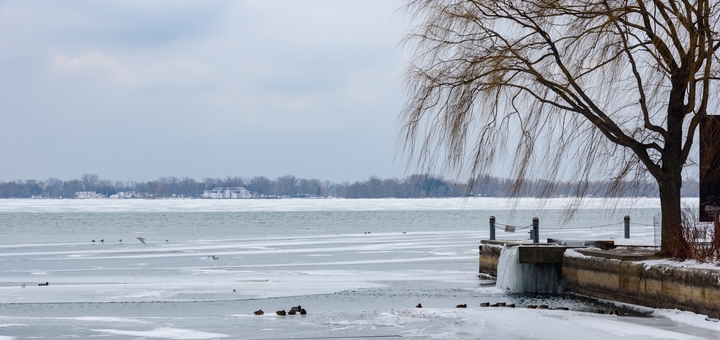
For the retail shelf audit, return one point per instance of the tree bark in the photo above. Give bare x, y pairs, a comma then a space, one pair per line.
673, 242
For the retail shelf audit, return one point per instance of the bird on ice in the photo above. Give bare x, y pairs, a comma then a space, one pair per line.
141, 239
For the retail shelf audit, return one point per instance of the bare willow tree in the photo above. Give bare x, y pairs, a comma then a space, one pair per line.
585, 88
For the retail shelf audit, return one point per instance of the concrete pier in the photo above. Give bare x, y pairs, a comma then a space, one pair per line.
618, 276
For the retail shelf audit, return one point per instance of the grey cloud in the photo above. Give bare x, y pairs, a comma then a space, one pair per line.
138, 90
112, 23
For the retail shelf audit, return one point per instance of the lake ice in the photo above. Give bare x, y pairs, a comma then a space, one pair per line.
358, 266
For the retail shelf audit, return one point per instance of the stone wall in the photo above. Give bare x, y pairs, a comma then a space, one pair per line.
657, 286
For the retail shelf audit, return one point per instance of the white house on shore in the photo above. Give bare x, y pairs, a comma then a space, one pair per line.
123, 195
88, 195
221, 192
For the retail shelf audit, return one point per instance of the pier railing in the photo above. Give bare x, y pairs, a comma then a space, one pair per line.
703, 238
534, 228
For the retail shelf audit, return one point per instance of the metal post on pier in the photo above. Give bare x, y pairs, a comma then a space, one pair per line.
492, 227
627, 226
536, 229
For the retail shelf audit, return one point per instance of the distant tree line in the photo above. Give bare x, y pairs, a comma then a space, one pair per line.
414, 186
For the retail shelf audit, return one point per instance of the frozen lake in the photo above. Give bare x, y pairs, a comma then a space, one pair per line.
358, 266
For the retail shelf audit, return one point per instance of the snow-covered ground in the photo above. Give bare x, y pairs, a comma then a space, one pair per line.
206, 205
354, 284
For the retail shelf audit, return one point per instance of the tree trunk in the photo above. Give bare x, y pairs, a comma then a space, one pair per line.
669, 178
673, 242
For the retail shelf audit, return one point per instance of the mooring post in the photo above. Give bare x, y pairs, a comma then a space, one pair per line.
536, 229
627, 226
492, 227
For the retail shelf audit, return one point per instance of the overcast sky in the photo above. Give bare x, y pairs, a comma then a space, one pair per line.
135, 90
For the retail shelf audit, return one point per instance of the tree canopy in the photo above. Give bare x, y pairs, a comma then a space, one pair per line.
583, 88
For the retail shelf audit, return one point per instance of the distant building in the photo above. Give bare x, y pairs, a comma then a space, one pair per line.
123, 195
221, 192
88, 195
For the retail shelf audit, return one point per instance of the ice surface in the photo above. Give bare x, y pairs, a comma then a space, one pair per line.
166, 333
354, 285
690, 318
509, 271
516, 277
629, 330
254, 267
426, 323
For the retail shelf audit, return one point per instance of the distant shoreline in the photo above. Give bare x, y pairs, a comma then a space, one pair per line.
386, 204
413, 186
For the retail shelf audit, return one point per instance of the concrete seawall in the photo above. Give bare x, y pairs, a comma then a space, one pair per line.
657, 285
